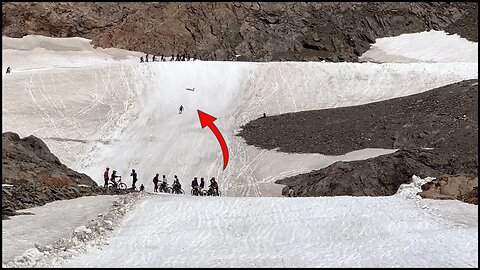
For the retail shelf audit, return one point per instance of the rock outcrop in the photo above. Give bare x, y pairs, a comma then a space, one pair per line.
29, 161
33, 176
436, 132
256, 31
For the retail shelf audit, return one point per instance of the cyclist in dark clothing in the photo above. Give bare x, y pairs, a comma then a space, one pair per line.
134, 178
202, 183
195, 186
176, 185
155, 183
112, 178
105, 177
214, 185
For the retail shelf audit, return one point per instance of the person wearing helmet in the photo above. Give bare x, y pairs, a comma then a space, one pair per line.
105, 177
134, 178
112, 178
196, 191
176, 185
155, 183
214, 186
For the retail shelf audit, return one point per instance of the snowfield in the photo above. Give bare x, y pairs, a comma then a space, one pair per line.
98, 107
395, 231
125, 115
47, 223
429, 46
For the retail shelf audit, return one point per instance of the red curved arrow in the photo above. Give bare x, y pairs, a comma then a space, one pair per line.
207, 120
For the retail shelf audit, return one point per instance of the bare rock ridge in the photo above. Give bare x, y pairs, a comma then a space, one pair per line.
256, 31
28, 160
33, 176
438, 118
436, 132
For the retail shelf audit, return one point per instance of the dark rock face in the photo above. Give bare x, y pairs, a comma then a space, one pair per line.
28, 161
37, 176
256, 31
379, 176
445, 119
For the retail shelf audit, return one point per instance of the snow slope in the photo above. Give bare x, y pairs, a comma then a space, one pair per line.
429, 46
96, 108
125, 115
178, 231
49, 223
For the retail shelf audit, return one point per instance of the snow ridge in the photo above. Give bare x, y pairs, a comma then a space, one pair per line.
83, 239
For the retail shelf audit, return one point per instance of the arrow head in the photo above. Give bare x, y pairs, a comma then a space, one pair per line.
205, 119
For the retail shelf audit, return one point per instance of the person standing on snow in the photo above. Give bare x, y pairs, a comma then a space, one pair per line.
176, 184
195, 184
202, 183
134, 178
155, 183
180, 110
105, 177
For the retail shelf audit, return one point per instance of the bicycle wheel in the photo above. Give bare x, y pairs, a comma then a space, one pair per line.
192, 192
219, 193
170, 190
182, 191
122, 186
204, 192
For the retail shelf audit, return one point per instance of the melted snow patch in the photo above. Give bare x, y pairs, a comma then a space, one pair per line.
411, 189
429, 46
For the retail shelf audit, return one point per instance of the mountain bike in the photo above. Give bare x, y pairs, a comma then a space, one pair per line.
117, 184
172, 190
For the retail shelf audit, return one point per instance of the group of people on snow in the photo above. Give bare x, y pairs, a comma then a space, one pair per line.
178, 57
176, 186
197, 188
159, 186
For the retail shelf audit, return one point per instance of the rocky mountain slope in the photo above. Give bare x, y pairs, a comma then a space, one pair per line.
33, 176
436, 132
256, 31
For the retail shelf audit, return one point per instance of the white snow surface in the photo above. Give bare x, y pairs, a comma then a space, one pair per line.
125, 115
185, 231
49, 222
429, 46
96, 108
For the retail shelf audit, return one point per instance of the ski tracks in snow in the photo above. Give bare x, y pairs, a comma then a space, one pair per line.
184, 231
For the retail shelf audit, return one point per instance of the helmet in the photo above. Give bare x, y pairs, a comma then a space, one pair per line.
175, 176
157, 174
114, 171
133, 170
108, 168
164, 176
195, 178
